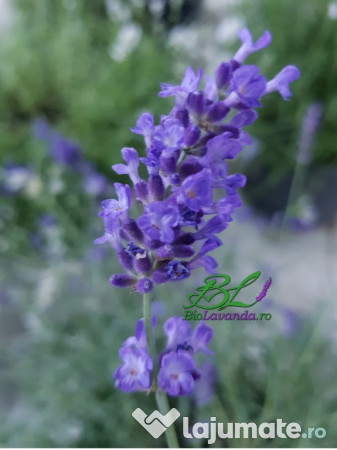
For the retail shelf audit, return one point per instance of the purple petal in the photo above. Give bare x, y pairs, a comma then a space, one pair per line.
244, 118
248, 46
282, 80
201, 336
177, 331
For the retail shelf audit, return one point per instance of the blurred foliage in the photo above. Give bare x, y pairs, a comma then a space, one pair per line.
58, 66
303, 35
61, 358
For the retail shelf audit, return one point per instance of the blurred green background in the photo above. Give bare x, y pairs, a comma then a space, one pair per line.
74, 76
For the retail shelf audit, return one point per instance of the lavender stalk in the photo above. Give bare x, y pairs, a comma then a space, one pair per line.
187, 199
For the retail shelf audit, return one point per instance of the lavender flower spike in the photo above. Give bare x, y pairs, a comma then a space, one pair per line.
186, 200
189, 195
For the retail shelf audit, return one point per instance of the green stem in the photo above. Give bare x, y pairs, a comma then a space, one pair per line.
161, 398
181, 157
164, 408
150, 342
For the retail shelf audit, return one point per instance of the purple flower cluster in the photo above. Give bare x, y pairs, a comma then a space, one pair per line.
177, 372
189, 196
67, 153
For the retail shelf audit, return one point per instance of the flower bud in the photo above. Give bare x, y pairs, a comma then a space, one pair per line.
192, 135
196, 103
217, 112
189, 167
141, 191
168, 162
122, 280
156, 187
133, 231
144, 285
222, 75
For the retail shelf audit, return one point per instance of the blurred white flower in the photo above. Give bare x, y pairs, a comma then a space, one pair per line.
6, 15
226, 31
308, 211
16, 178
332, 10
56, 184
127, 39
183, 37
33, 322
156, 7
118, 10
45, 289
34, 187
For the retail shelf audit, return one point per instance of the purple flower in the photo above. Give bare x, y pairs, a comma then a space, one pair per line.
282, 80
135, 372
112, 207
94, 183
145, 126
201, 337
189, 84
138, 341
63, 151
196, 191
41, 129
220, 148
176, 373
170, 134
158, 221
204, 260
179, 336
130, 156
111, 234
248, 46
172, 271
177, 330
247, 87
